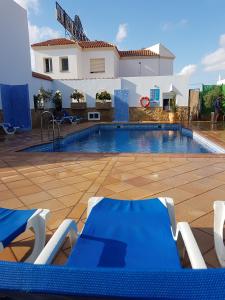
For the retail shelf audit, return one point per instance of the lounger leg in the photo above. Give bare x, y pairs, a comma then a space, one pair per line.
38, 224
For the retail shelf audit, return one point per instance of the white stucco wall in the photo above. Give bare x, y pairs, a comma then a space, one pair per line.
15, 63
110, 67
132, 67
35, 86
74, 57
137, 86
89, 87
140, 86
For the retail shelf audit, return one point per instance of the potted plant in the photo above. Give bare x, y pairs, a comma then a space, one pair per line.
44, 96
57, 100
103, 100
173, 110
77, 100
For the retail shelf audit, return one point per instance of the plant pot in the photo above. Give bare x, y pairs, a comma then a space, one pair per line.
103, 105
172, 117
81, 105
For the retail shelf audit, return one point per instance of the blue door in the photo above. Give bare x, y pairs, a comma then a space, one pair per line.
121, 106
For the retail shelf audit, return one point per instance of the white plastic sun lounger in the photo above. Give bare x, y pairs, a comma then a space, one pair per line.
131, 235
15, 222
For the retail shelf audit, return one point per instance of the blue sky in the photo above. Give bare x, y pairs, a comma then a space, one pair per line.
193, 30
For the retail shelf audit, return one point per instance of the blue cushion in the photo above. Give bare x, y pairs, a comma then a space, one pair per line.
126, 234
13, 223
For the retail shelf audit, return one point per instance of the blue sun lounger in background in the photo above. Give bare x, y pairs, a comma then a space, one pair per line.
15, 222
7, 128
66, 118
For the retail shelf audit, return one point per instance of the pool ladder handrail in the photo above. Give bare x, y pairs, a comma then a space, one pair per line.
53, 122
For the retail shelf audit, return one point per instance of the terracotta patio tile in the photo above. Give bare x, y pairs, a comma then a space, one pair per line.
195, 187
63, 191
77, 211
53, 184
138, 181
204, 223
60, 258
35, 197
83, 186
110, 180
86, 196
12, 178
6, 194
51, 204
7, 255
3, 187
19, 184
204, 240
43, 179
28, 190
57, 217
73, 179
211, 259
70, 200
103, 192
119, 187
187, 213
175, 193
11, 203
34, 174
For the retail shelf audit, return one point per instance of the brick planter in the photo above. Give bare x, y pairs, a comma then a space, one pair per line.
81, 105
102, 105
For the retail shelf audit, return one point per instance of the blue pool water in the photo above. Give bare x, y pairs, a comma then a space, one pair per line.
159, 138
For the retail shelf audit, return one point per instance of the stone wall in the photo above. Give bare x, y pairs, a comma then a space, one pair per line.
156, 114
106, 115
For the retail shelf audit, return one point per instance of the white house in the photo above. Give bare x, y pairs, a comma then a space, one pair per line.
89, 66
69, 59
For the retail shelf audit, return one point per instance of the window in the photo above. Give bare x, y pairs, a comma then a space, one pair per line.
97, 65
64, 64
48, 65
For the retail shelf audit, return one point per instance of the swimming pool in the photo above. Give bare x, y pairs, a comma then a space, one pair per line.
130, 138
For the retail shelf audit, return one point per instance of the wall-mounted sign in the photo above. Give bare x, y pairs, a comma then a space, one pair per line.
154, 97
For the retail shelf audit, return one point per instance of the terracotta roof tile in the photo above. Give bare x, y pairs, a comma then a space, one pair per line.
41, 76
94, 44
142, 52
54, 42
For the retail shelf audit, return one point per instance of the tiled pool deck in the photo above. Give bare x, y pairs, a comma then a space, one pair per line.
63, 182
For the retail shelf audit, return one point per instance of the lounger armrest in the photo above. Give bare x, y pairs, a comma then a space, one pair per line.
194, 254
68, 227
219, 219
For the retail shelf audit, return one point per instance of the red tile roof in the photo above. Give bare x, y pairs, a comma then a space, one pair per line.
54, 42
41, 76
94, 44
137, 53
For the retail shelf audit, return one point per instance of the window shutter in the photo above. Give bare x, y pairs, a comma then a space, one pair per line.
97, 65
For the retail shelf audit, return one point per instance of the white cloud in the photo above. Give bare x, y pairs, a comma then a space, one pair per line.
122, 33
29, 5
38, 34
166, 26
215, 61
188, 70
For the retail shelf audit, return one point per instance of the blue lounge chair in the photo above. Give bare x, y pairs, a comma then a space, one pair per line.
144, 281
127, 235
66, 118
15, 222
7, 128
